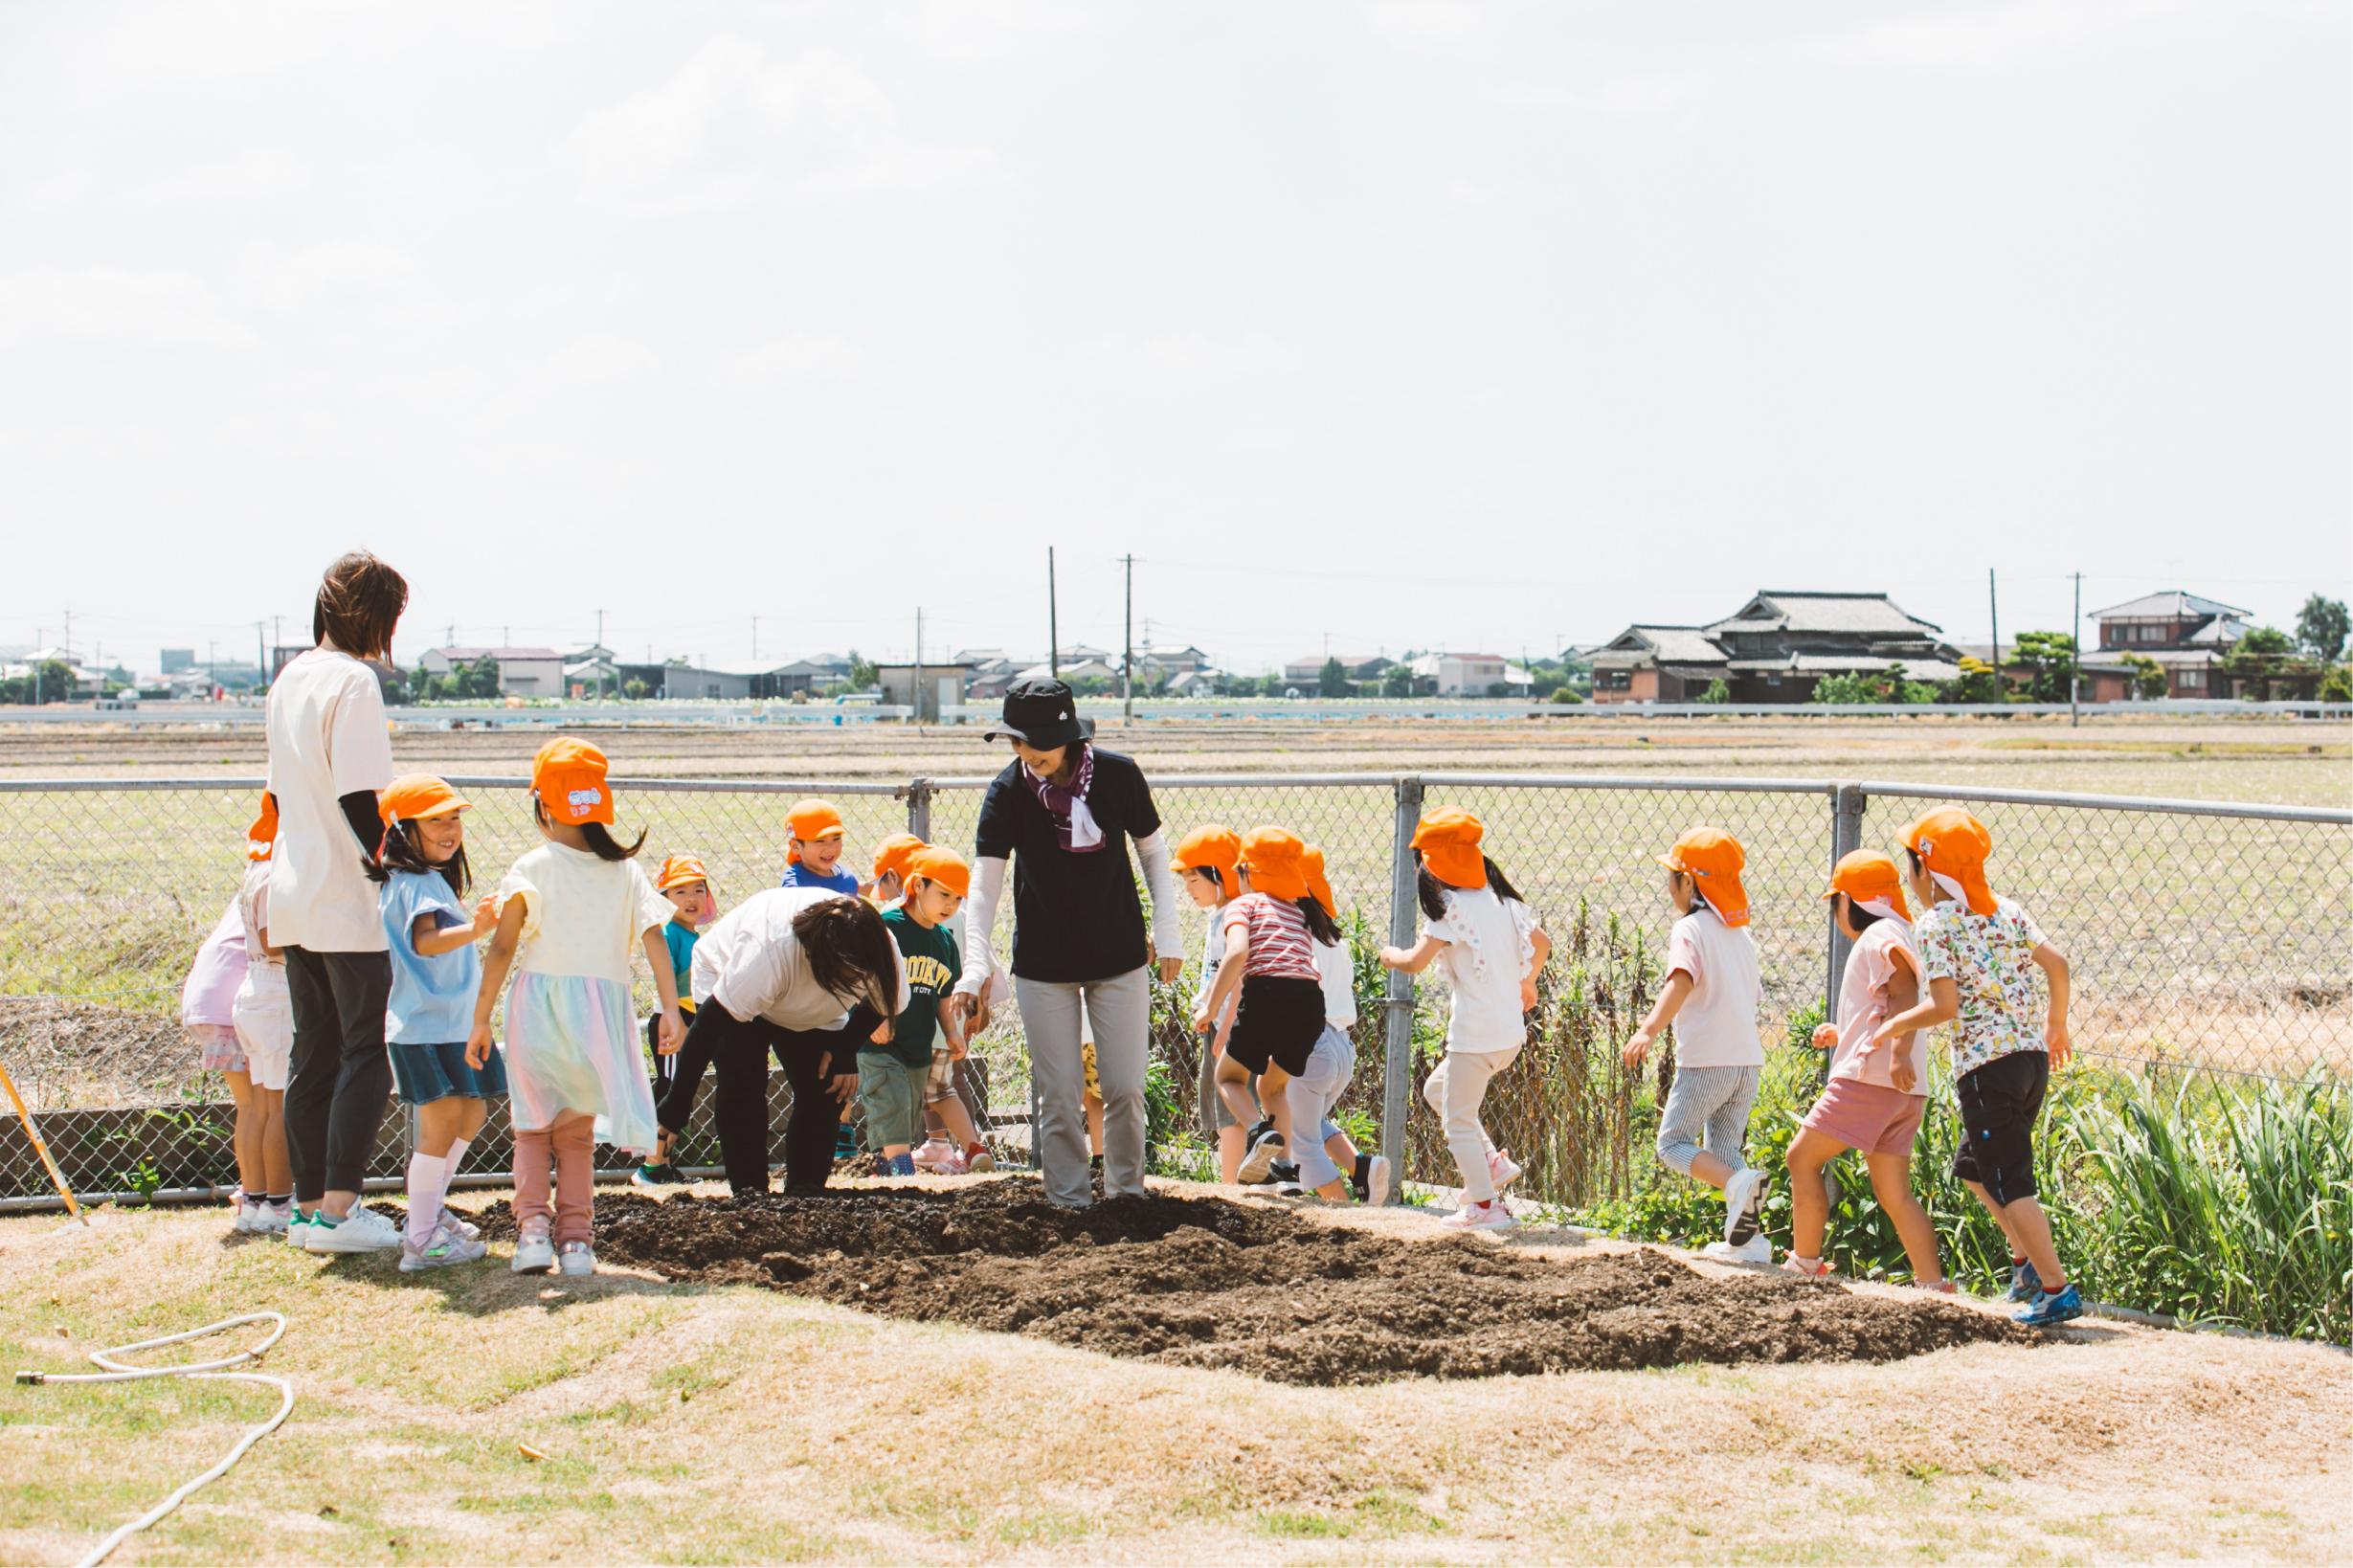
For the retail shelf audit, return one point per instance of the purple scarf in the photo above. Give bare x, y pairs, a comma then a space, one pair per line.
1072, 820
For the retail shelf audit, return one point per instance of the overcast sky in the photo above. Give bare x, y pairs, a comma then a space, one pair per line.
1430, 323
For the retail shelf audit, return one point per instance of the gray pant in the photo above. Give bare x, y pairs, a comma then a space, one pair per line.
1710, 1104
1120, 1010
1311, 1095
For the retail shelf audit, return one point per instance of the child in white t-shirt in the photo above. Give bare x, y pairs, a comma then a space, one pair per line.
1487, 949
1711, 996
265, 1016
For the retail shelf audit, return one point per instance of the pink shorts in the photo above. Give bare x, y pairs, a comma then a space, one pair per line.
1872, 1117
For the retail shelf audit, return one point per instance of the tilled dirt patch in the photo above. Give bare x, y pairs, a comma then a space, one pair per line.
1211, 1282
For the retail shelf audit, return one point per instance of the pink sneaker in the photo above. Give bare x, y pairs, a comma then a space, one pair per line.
1491, 1215
1502, 1169
1807, 1268
950, 1163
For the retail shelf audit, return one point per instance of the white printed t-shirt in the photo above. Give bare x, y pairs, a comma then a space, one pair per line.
1487, 949
326, 740
583, 916
1863, 1007
1717, 1024
751, 963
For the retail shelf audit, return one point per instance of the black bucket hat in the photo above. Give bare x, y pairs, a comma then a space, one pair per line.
1042, 714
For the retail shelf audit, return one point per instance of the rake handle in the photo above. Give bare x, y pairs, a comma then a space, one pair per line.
41, 1148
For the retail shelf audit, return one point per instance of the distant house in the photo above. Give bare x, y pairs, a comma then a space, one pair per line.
1772, 650
1357, 667
1466, 674
2185, 636
523, 672
943, 687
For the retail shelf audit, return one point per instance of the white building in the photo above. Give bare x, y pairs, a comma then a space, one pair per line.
523, 672
1468, 674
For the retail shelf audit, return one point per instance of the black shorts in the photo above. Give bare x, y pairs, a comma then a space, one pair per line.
1999, 1103
1279, 1020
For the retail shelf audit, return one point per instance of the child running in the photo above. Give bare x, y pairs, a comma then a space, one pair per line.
571, 913
895, 1075
208, 1011
1316, 1092
1489, 949
687, 886
812, 859
264, 1016
1978, 952
1876, 1091
1208, 862
437, 974
1711, 996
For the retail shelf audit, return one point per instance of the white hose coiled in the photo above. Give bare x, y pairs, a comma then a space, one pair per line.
117, 1373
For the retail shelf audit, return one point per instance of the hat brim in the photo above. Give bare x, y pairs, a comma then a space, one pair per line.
1069, 733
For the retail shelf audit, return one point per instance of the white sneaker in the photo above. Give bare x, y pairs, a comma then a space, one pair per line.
575, 1258
274, 1218
361, 1230
1502, 1169
982, 1161
1377, 1181
1756, 1249
1480, 1217
1261, 1160
249, 1216
441, 1249
534, 1253
459, 1225
1745, 1197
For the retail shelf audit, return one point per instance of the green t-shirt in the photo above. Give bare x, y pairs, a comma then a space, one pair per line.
933, 968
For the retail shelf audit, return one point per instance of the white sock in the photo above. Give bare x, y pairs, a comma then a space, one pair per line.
455, 1160
428, 1180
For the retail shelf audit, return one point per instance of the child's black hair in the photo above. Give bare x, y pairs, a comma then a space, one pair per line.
400, 853
1321, 925
1431, 893
1860, 918
600, 837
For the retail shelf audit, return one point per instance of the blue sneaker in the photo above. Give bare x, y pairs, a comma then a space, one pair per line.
2052, 1309
2025, 1283
903, 1165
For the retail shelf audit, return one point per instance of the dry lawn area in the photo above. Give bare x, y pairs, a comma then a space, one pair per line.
736, 1424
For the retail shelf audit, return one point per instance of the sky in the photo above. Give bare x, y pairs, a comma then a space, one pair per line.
1482, 325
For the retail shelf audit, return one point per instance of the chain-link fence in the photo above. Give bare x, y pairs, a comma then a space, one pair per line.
2203, 938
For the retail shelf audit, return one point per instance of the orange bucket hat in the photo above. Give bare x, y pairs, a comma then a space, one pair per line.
809, 820
677, 870
937, 862
1716, 858
1870, 878
1449, 839
1271, 856
890, 855
1311, 864
1213, 846
414, 795
1953, 846
262, 837
569, 778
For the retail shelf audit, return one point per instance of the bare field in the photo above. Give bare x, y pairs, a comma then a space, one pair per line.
731, 1423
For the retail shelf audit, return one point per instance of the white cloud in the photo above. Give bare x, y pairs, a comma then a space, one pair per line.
1195, 357
1655, 93
733, 127
323, 271
596, 360
178, 40
803, 359
111, 304
1433, 26
998, 32
262, 171
2018, 34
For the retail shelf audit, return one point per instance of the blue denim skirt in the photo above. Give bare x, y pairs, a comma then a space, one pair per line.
426, 1073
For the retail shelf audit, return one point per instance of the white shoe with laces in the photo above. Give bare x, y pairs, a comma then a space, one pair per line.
1756, 1249
1376, 1181
1480, 1217
459, 1225
575, 1258
534, 1253
1745, 1197
252, 1215
361, 1230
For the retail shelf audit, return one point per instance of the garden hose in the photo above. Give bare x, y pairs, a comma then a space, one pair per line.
117, 1373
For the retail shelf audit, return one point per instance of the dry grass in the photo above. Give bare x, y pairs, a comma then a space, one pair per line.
686, 1423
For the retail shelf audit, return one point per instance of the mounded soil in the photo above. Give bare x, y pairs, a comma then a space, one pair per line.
1206, 1281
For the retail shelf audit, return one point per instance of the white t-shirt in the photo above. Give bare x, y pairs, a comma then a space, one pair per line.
1487, 949
1717, 1026
1863, 1006
1213, 953
326, 740
254, 912
752, 964
582, 915
1338, 970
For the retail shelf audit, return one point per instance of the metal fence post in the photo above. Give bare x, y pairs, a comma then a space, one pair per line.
1397, 1062
1846, 803
919, 808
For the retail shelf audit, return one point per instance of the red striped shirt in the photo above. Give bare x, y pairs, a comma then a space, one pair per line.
1277, 934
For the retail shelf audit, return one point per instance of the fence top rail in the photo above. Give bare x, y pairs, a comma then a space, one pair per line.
2337, 816
1628, 781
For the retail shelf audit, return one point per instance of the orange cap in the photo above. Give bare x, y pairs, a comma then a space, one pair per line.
890, 855
414, 795
810, 819
263, 834
1311, 866
569, 778
1449, 839
1954, 845
677, 870
937, 862
1272, 855
1213, 846
1870, 878
1716, 858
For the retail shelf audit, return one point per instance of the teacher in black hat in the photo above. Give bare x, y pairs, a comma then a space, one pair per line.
1062, 813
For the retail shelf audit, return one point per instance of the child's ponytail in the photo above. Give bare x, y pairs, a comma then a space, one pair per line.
1321, 925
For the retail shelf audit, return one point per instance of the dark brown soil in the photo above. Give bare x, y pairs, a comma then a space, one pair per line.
1210, 1283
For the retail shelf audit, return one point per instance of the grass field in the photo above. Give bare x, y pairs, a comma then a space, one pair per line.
739, 1424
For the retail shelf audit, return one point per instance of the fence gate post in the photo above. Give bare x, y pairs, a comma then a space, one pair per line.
1847, 801
1396, 1060
919, 808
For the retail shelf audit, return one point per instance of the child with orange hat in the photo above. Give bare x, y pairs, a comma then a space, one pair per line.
1711, 996
1977, 953
813, 858
421, 868
1489, 949
1877, 1090
1326, 1162
894, 1077
687, 886
571, 915
208, 1010
889, 869
1208, 863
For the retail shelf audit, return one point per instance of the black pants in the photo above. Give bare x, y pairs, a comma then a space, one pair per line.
738, 1048
341, 1076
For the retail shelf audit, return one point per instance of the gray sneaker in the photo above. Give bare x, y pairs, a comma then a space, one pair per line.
452, 1220
441, 1249
575, 1258
534, 1253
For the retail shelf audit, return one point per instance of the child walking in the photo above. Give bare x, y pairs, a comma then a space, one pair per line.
264, 1017
1977, 953
1487, 949
1711, 996
1208, 863
436, 976
207, 1002
1877, 1090
687, 886
571, 913
1316, 1092
894, 1076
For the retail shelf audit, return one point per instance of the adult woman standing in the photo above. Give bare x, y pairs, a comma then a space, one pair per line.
329, 753
1062, 813
809, 974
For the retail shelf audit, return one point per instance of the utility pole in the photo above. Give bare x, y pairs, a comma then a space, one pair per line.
38, 632
1127, 658
69, 636
755, 632
2074, 660
918, 715
1053, 626
600, 656
1993, 606
261, 660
